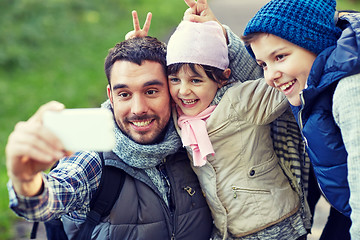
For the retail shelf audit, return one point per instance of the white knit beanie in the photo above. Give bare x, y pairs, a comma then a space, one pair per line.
199, 43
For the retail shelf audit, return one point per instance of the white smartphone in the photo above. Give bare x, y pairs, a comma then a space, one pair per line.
89, 129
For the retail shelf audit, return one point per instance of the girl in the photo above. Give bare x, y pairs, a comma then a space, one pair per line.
228, 138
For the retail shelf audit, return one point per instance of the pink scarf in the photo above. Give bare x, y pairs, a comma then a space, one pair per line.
194, 134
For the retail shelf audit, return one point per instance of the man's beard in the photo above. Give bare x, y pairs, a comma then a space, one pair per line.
158, 138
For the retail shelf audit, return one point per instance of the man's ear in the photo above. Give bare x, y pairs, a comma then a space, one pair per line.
109, 94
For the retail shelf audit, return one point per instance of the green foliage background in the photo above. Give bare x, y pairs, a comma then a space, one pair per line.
55, 49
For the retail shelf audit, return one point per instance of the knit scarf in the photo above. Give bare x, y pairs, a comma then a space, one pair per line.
147, 157
195, 135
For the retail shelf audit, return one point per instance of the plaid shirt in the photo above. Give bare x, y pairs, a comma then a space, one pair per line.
67, 190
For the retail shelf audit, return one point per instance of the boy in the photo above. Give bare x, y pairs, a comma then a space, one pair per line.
316, 65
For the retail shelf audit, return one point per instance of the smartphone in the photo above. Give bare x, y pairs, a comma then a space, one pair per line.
90, 129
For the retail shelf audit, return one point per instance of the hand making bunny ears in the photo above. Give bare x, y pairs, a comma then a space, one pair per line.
138, 32
198, 11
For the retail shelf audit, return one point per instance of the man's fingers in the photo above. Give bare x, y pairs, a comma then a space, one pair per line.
38, 155
24, 130
24, 160
31, 148
27, 138
50, 106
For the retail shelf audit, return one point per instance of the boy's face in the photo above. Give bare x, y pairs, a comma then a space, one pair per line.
286, 65
192, 92
140, 99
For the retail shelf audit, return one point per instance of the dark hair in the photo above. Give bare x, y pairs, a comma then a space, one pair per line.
136, 50
251, 37
215, 74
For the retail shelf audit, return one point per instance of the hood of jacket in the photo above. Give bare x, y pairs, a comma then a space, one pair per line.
335, 62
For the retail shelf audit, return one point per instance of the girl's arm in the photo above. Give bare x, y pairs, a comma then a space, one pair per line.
256, 102
243, 66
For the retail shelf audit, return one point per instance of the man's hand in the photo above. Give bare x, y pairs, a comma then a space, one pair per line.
138, 32
31, 149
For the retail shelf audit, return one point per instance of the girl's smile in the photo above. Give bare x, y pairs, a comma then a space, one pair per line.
192, 92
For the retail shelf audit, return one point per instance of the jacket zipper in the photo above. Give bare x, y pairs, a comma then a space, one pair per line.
166, 207
171, 199
302, 100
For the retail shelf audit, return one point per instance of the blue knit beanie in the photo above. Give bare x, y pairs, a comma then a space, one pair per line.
309, 24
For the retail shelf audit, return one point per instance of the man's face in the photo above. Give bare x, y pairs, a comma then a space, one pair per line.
140, 98
286, 65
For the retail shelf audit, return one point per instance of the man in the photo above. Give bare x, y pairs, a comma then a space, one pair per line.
141, 109
154, 202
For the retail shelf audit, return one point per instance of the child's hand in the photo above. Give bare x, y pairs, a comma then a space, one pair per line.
138, 32
198, 11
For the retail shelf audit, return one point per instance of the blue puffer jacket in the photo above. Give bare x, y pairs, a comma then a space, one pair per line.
321, 134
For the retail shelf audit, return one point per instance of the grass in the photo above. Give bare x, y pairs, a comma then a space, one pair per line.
55, 50
348, 5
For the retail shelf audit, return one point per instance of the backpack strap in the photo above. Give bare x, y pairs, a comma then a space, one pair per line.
34, 230
103, 199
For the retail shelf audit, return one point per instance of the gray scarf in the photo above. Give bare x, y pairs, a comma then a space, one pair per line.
147, 157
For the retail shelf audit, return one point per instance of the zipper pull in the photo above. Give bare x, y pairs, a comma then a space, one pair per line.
234, 191
189, 190
305, 143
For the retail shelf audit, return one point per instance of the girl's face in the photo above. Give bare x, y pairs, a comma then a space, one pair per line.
286, 65
192, 92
